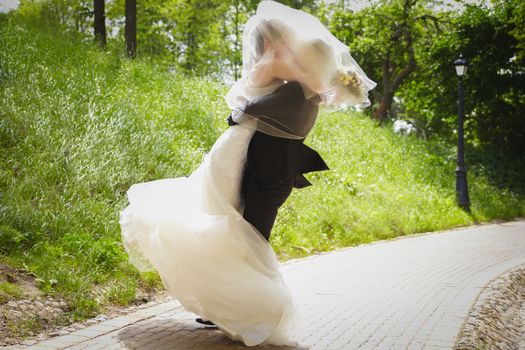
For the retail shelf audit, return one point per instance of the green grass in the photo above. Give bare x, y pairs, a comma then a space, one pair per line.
25, 327
9, 291
78, 126
381, 185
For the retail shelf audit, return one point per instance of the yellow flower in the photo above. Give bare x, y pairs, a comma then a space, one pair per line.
349, 78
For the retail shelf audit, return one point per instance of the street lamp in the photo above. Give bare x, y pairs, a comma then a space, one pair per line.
461, 171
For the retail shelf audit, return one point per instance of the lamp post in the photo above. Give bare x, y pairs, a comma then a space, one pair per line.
461, 171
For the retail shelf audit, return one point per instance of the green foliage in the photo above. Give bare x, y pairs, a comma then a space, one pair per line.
185, 32
517, 20
381, 185
494, 85
385, 38
11, 239
73, 13
232, 29
9, 291
204, 38
198, 37
153, 23
122, 292
490, 37
79, 126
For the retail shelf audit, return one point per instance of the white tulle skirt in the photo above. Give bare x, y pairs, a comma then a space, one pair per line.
191, 230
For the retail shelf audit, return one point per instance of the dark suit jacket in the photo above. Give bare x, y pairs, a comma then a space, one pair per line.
282, 160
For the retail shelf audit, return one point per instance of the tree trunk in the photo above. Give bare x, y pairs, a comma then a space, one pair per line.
381, 113
390, 84
100, 22
391, 81
237, 42
131, 27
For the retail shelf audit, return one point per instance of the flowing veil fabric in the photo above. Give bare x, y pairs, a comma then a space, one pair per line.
310, 50
191, 230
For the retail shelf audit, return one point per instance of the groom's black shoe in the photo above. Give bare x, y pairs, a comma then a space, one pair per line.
204, 322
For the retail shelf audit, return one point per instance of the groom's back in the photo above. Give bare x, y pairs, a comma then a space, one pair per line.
283, 161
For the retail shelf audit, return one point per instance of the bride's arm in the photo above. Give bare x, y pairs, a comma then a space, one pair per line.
265, 73
276, 65
290, 70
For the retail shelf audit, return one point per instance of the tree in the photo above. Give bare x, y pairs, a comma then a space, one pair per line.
199, 37
198, 44
74, 13
383, 37
232, 30
232, 27
99, 22
517, 21
489, 37
238, 41
131, 27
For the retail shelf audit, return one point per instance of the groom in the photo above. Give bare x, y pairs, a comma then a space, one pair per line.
275, 165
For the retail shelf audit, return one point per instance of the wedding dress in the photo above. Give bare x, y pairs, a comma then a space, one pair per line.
191, 230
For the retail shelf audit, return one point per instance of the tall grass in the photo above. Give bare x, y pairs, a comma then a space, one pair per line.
78, 126
381, 185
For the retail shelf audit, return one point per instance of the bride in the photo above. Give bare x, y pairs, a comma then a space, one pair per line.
192, 230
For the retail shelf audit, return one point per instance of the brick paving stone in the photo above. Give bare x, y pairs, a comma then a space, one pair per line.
92, 332
80, 346
60, 342
415, 346
435, 347
409, 293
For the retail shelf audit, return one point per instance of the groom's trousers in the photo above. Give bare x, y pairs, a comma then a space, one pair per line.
274, 166
262, 199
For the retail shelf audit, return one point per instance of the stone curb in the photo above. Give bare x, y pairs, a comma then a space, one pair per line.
494, 320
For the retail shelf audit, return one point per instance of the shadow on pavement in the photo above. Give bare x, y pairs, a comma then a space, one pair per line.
173, 334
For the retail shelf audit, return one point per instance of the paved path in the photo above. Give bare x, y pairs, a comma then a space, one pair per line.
409, 293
